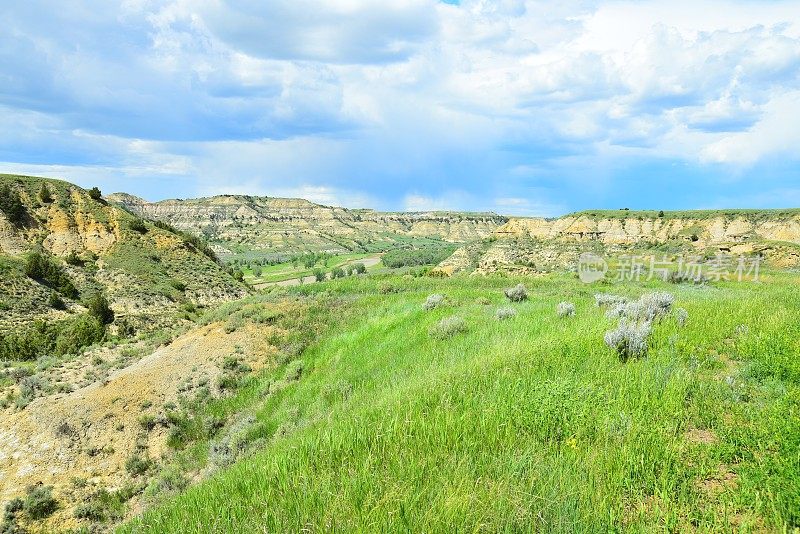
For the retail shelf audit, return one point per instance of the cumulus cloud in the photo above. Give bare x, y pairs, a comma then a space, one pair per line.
776, 133
337, 31
413, 104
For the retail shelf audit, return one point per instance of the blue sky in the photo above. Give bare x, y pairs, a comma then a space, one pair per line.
514, 106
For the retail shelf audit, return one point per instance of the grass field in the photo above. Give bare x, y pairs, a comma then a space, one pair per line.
526, 424
288, 270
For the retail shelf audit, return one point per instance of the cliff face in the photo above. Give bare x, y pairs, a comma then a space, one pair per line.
529, 245
734, 228
237, 222
145, 273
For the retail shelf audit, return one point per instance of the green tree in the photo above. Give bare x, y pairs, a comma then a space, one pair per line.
55, 301
78, 333
319, 274
44, 194
137, 225
100, 309
95, 193
11, 205
42, 269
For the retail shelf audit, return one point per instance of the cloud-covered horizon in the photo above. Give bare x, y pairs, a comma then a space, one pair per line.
514, 106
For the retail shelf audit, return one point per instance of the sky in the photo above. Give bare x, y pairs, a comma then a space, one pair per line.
520, 107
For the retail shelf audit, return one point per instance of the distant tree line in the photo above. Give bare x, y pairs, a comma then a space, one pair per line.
414, 257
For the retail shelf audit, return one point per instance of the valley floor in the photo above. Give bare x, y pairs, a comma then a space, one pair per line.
355, 409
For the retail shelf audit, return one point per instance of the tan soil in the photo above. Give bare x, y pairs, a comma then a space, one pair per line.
90, 433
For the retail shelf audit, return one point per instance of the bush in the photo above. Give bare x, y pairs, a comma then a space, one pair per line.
319, 274
505, 313
63, 337
433, 301
676, 277
137, 465
28, 387
39, 502
227, 382
11, 205
56, 302
95, 193
604, 299
137, 225
78, 333
629, 339
91, 511
226, 450
337, 272
29, 343
12, 507
73, 259
147, 422
177, 284
43, 269
99, 308
448, 327
517, 294
681, 316
565, 309
44, 194
649, 307
359, 268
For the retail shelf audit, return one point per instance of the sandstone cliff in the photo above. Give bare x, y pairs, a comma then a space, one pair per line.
703, 228
530, 245
146, 272
286, 225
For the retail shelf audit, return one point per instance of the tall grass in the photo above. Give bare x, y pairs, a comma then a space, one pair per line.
524, 425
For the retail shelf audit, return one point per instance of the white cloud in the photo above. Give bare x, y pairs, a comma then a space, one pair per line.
337, 31
403, 103
776, 133
448, 200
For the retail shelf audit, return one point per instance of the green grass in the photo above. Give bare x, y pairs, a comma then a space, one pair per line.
288, 271
528, 424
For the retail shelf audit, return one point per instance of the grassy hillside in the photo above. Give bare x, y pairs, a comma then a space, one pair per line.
393, 421
145, 270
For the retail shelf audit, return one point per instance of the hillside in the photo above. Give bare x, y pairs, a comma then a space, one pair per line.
529, 245
448, 419
274, 226
89, 246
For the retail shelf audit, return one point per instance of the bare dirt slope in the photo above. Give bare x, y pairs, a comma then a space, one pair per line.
91, 433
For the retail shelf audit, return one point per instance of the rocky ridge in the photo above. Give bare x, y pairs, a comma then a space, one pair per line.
145, 271
531, 245
236, 223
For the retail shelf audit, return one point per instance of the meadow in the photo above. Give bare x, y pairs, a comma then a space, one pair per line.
391, 417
